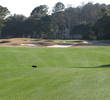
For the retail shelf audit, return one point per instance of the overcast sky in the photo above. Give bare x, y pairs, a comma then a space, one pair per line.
26, 6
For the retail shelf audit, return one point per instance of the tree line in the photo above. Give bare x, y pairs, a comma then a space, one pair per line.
89, 21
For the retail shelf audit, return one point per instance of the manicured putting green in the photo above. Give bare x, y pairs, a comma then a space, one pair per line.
62, 73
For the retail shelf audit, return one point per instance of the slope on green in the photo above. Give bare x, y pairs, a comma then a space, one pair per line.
62, 74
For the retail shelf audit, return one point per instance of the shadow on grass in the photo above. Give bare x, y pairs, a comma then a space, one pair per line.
104, 66
101, 66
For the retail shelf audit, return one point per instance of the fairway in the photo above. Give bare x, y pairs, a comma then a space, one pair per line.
62, 73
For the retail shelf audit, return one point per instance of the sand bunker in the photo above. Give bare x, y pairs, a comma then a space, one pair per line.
59, 46
31, 42
30, 45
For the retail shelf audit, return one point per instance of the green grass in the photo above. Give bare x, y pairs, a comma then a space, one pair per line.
63, 74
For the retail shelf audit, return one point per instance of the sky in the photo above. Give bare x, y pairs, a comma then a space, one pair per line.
26, 6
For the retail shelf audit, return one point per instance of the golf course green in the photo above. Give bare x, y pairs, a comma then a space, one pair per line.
62, 73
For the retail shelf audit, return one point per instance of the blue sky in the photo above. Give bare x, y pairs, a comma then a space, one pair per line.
26, 6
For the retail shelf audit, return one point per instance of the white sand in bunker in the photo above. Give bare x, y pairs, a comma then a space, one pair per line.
59, 46
31, 45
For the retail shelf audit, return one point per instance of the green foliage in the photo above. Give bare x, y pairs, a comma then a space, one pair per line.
102, 28
39, 11
89, 21
3, 13
59, 6
14, 26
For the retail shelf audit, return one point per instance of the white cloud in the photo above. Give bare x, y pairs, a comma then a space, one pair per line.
26, 6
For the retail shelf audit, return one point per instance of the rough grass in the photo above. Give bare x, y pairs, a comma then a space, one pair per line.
63, 74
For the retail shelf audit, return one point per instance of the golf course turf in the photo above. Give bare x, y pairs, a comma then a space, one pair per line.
62, 73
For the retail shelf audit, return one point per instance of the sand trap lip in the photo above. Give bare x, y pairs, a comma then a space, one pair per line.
52, 46
31, 45
84, 42
59, 46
